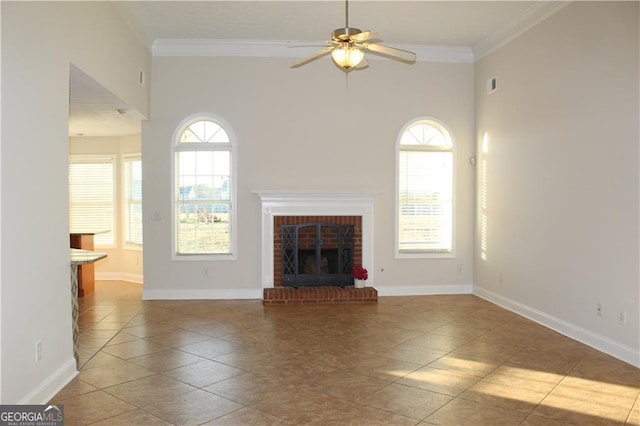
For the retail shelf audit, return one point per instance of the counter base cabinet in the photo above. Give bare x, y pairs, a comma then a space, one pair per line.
86, 273
79, 259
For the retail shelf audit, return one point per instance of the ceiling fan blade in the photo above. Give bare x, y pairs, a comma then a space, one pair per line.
313, 57
366, 36
397, 54
294, 44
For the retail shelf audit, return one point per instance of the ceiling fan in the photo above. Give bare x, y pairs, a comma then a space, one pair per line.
347, 47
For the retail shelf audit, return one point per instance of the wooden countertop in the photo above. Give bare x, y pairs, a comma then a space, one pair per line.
88, 232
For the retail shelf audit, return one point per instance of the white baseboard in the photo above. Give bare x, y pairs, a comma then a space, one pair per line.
426, 290
595, 340
119, 276
257, 293
209, 294
46, 390
132, 278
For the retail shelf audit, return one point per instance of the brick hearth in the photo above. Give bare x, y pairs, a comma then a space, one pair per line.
319, 295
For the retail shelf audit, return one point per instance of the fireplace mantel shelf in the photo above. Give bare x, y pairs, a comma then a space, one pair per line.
282, 195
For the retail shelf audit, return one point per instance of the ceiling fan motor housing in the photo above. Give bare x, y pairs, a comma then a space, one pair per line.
344, 34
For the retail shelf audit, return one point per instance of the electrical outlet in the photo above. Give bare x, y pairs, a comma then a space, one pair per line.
205, 272
492, 84
622, 318
38, 351
599, 309
459, 269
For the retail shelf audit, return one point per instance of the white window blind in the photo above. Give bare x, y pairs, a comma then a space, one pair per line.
203, 194
133, 200
91, 197
425, 190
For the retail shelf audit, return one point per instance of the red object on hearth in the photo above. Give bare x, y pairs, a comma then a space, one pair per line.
359, 273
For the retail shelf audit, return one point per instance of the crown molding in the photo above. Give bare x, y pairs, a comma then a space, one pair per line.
531, 17
286, 49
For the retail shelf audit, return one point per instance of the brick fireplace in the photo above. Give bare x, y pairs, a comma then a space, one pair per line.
307, 244
339, 207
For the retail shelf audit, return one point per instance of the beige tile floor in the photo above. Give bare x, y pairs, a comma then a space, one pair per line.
429, 360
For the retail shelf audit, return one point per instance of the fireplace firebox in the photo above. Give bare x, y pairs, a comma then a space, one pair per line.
317, 254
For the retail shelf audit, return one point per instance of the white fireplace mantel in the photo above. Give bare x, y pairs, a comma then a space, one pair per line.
315, 203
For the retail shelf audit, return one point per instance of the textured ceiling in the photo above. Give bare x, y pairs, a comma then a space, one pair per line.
477, 25
443, 23
94, 111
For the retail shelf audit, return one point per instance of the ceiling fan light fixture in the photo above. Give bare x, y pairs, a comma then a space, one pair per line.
347, 56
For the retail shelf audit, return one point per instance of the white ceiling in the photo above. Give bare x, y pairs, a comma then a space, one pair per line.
94, 111
478, 26
442, 23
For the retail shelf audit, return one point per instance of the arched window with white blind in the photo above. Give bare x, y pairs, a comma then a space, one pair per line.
424, 211
204, 187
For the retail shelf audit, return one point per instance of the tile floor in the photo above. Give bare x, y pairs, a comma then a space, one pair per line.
429, 360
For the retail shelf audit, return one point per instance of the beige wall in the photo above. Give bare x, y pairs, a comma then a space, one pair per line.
561, 181
39, 42
305, 129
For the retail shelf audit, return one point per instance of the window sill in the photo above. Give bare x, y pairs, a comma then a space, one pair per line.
425, 255
201, 257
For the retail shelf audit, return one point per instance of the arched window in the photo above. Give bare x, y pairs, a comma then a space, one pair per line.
424, 214
204, 189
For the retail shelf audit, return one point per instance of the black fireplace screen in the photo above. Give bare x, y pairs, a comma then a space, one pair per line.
317, 254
